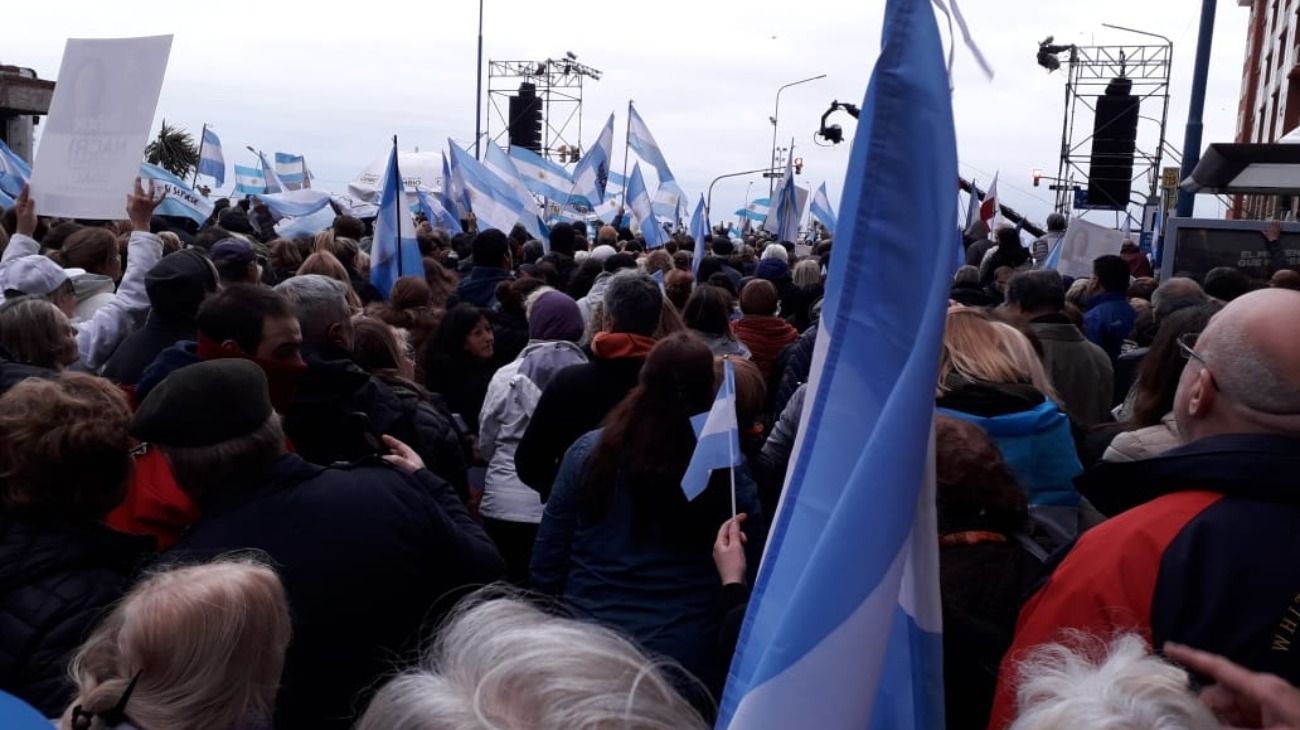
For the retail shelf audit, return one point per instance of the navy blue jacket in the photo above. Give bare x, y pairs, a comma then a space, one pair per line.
480, 287
370, 558
662, 594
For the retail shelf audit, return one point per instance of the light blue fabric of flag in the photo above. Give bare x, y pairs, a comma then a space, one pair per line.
843, 630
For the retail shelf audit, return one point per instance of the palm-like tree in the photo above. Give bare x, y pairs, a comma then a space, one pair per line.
173, 150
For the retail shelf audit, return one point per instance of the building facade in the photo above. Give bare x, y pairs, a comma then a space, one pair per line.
1269, 107
23, 99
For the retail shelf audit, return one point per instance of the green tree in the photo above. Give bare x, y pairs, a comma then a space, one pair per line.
173, 150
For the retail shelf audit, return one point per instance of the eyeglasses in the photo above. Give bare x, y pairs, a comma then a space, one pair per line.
1187, 348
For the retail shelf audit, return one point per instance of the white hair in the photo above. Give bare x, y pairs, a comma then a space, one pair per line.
502, 663
1091, 684
206, 641
776, 251
1249, 374
318, 302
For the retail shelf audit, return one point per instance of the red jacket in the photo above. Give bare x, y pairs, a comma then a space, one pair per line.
1210, 557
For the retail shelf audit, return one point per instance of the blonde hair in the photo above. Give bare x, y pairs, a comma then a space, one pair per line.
1017, 345
328, 265
807, 273
36, 332
1087, 682
502, 663
972, 351
206, 641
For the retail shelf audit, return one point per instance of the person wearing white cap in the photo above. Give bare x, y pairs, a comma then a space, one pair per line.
24, 271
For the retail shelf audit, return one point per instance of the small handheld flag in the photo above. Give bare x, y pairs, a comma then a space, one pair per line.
718, 441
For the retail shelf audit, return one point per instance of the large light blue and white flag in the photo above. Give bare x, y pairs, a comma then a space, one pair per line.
783, 217
394, 252
530, 216
844, 627
292, 171
249, 180
756, 210
14, 172
6, 202
645, 146
822, 210
492, 200
181, 200
438, 216
638, 200
608, 210
592, 171
668, 202
541, 176
453, 192
273, 183
717, 444
306, 225
211, 161
295, 203
699, 230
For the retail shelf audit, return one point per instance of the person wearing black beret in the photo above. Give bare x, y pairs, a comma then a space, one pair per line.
371, 554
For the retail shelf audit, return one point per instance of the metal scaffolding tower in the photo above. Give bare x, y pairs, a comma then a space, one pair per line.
559, 91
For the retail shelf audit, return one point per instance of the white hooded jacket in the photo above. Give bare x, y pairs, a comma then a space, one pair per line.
114, 319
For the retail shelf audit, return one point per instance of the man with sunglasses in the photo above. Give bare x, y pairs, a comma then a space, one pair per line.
1211, 556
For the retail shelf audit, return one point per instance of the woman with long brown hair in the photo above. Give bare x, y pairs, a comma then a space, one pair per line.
619, 543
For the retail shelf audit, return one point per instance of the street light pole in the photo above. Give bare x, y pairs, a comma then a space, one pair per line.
776, 115
708, 201
478, 88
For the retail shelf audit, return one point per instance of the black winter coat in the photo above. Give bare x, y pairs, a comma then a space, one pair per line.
12, 372
340, 411
575, 401
371, 558
56, 582
792, 368
140, 348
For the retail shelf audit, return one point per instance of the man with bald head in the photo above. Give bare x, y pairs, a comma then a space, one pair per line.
1209, 556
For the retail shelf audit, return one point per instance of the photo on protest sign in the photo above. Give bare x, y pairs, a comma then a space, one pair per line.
1083, 243
99, 122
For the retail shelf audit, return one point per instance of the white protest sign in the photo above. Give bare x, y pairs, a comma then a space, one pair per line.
1083, 242
99, 122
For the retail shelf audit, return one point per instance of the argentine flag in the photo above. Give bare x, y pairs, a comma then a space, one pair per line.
211, 162
843, 630
273, 183
821, 209
699, 229
639, 201
394, 252
491, 199
645, 146
292, 171
14, 172
530, 215
181, 200
541, 176
249, 180
756, 210
437, 215
592, 171
296, 203
783, 217
717, 444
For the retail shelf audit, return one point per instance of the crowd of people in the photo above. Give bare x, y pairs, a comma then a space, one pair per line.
240, 487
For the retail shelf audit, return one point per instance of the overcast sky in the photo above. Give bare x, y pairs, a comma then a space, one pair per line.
336, 81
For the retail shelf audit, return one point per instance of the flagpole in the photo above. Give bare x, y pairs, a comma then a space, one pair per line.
398, 210
202, 135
